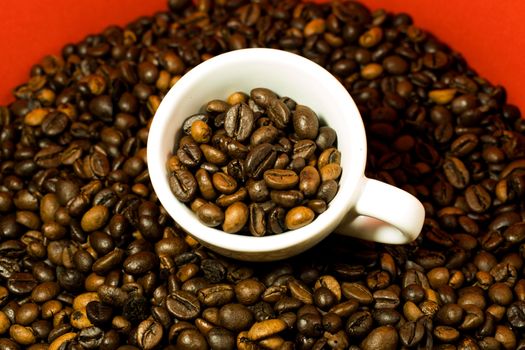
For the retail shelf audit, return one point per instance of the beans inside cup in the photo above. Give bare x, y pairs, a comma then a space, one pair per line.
256, 163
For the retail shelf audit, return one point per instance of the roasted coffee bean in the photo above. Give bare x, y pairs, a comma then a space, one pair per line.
140, 263
262, 96
149, 334
287, 199
257, 220
298, 217
359, 324
258, 190
516, 314
309, 180
189, 153
210, 215
200, 131
304, 149
325, 138
446, 333
183, 185
239, 122
235, 217
264, 134
183, 305
213, 155
221, 339
478, 199
280, 179
411, 333
327, 190
235, 317
278, 113
357, 292
224, 183
305, 123
186, 126
191, 339
259, 159
98, 313
21, 283
381, 338
456, 172
450, 314
216, 295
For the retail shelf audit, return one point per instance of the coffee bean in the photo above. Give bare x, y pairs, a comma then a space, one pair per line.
266, 328
305, 123
477, 198
216, 295
239, 122
186, 126
330, 171
21, 283
262, 96
183, 305
248, 291
298, 217
456, 172
91, 337
287, 199
149, 334
383, 338
140, 263
98, 313
107, 262
304, 149
516, 314
411, 333
359, 324
258, 190
450, 314
183, 185
213, 155
257, 220
27, 314
221, 339
235, 317
446, 333
22, 335
191, 339
309, 180
259, 159
95, 218
200, 131
227, 200
327, 190
264, 134
235, 217
280, 179
189, 152
210, 215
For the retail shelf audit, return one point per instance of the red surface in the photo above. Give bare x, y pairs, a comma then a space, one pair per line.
489, 33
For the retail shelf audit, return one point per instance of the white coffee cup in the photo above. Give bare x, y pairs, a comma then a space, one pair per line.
363, 207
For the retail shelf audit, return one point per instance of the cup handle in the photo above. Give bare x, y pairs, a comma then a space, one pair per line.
385, 214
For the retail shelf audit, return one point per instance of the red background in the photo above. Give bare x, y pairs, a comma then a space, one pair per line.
489, 33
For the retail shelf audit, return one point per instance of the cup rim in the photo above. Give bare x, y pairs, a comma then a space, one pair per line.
323, 224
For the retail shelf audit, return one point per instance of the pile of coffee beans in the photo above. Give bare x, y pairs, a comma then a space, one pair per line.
90, 260
259, 148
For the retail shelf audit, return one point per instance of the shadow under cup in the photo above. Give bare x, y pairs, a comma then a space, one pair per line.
287, 75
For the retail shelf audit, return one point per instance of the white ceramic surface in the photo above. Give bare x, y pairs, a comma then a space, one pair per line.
307, 83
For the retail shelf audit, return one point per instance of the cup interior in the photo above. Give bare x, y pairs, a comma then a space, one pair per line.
286, 74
